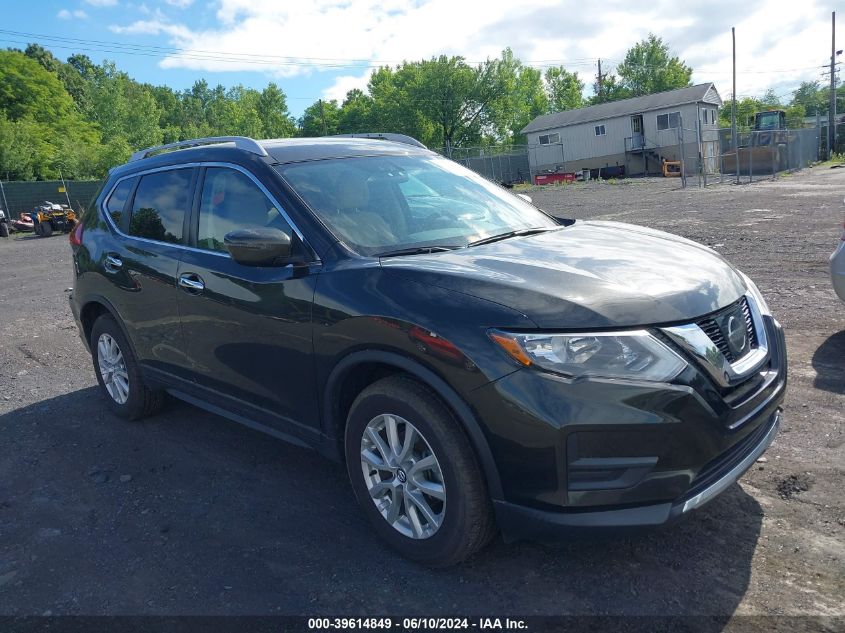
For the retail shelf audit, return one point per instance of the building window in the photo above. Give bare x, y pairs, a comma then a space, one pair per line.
599, 130
548, 139
712, 116
669, 121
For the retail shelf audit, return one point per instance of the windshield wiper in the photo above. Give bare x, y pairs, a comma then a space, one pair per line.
509, 234
417, 250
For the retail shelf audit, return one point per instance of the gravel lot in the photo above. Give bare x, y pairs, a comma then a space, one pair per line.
187, 513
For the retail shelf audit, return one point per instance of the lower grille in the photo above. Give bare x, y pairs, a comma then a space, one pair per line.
716, 467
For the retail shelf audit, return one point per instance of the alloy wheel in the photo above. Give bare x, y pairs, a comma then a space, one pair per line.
113, 368
403, 476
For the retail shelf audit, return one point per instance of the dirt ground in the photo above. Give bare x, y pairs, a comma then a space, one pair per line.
187, 513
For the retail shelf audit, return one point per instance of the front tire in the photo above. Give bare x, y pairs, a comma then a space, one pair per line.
4, 229
46, 229
415, 475
118, 373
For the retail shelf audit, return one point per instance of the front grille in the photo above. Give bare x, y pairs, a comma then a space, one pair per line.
712, 328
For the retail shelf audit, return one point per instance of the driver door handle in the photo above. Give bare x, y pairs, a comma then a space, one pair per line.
191, 282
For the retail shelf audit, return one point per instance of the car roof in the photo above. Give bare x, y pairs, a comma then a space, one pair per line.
279, 151
289, 150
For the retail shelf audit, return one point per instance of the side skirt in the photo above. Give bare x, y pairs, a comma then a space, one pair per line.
257, 426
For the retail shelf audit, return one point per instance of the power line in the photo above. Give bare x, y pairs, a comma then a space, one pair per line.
162, 51
149, 50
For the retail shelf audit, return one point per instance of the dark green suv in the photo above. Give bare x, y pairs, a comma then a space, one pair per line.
477, 364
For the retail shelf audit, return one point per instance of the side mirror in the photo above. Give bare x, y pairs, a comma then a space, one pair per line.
259, 246
525, 197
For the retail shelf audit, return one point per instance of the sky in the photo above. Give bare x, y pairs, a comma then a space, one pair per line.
317, 49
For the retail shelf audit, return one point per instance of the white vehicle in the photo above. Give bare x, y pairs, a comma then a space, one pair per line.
837, 267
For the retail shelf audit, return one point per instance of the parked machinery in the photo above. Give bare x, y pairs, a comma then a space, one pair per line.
49, 218
762, 150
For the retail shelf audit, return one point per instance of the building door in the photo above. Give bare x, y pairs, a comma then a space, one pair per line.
637, 137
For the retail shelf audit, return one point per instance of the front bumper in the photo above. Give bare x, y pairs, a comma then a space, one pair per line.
608, 453
517, 521
837, 270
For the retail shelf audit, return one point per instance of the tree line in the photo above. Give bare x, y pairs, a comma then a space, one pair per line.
76, 118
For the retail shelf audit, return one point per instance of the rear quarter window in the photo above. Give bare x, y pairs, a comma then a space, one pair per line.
160, 206
117, 200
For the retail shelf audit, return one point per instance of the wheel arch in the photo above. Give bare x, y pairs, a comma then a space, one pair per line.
91, 310
344, 384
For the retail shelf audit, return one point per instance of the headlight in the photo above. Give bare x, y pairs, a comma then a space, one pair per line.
754, 291
634, 355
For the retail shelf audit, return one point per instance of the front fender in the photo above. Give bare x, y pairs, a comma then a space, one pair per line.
447, 394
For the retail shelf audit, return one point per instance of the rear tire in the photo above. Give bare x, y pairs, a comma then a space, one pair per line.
4, 229
444, 511
38, 229
46, 229
118, 373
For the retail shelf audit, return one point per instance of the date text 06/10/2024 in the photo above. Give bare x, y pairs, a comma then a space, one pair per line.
421, 623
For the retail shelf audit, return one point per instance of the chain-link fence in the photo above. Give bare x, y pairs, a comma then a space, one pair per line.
506, 164
759, 154
839, 148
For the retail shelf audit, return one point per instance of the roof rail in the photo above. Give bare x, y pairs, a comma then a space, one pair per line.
387, 136
241, 142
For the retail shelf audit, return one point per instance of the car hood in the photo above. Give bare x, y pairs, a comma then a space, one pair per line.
590, 274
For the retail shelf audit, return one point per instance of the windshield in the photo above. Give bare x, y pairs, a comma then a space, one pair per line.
377, 204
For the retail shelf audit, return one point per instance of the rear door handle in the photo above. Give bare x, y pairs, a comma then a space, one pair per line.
191, 282
113, 263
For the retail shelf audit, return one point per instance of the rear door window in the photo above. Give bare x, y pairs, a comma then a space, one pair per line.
162, 200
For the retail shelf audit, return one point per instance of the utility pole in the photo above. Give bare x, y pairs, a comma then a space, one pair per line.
600, 80
831, 111
323, 117
734, 145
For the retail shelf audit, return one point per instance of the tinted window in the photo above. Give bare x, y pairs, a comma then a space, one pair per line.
161, 202
117, 200
231, 201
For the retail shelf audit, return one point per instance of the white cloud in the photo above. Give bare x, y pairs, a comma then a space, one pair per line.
153, 27
284, 39
79, 14
344, 84
102, 3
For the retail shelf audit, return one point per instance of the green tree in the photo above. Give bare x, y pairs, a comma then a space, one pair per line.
649, 67
609, 90
450, 99
795, 116
518, 97
564, 89
19, 149
321, 118
812, 97
43, 57
273, 112
125, 109
355, 113
52, 134
771, 100
746, 108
